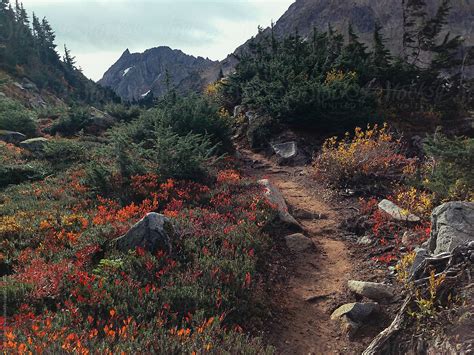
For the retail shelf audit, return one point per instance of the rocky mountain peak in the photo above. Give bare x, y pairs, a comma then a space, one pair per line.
135, 75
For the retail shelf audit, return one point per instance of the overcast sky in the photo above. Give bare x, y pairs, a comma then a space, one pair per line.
98, 31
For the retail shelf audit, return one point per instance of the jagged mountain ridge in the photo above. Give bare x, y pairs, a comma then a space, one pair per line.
134, 75
305, 15
190, 74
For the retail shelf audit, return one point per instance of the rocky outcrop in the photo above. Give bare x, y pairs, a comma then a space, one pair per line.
11, 137
135, 75
276, 199
99, 121
153, 233
374, 291
285, 150
35, 145
357, 312
452, 224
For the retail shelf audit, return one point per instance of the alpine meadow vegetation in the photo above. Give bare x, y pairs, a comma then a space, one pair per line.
102, 165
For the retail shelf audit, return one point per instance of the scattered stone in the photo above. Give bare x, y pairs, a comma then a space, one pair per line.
348, 326
365, 240
29, 85
420, 256
410, 239
275, 197
316, 298
299, 243
37, 102
357, 312
239, 110
452, 224
251, 116
11, 137
35, 145
18, 85
396, 212
306, 215
286, 150
152, 233
374, 291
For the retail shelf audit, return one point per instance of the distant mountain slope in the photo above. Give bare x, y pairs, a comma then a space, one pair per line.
305, 15
134, 75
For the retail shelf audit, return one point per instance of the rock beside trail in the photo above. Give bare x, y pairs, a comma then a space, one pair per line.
11, 137
286, 150
374, 291
153, 233
298, 243
452, 224
396, 212
357, 312
275, 197
411, 238
35, 145
420, 255
239, 110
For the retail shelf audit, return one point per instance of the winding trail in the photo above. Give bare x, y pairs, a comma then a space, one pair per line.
303, 326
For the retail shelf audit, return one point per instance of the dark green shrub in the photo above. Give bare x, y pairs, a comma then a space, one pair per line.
451, 176
62, 151
16, 174
76, 120
194, 114
122, 112
180, 157
14, 117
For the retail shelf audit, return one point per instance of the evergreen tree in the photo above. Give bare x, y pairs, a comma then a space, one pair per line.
381, 57
414, 16
69, 60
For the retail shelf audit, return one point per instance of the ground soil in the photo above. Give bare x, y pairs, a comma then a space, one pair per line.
315, 282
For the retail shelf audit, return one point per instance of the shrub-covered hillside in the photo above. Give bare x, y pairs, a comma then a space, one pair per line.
28, 50
69, 290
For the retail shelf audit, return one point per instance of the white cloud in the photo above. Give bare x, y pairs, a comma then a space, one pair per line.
98, 31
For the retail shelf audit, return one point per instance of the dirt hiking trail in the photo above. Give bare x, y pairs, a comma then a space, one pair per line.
303, 325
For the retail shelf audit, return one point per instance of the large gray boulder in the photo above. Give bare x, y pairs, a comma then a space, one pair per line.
35, 145
275, 198
286, 150
452, 224
11, 137
396, 212
153, 233
99, 121
358, 312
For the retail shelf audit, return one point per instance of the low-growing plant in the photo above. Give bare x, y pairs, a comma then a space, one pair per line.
372, 157
14, 117
414, 200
